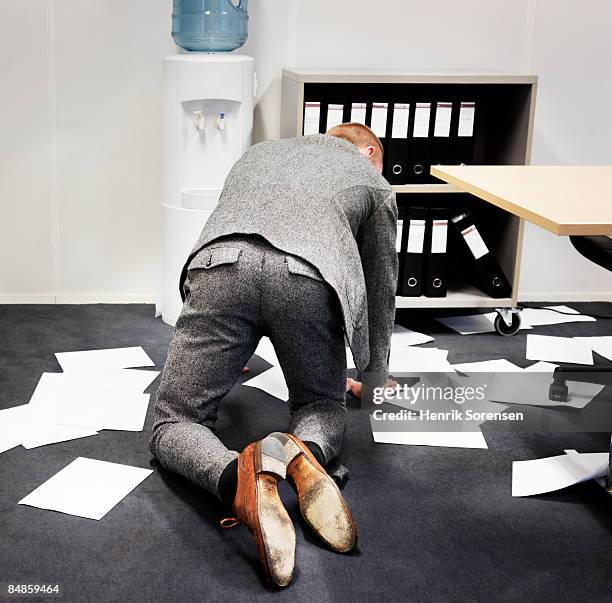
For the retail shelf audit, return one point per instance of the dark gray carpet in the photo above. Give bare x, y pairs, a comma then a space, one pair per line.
435, 524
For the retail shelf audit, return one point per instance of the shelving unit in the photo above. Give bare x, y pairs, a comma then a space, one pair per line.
502, 136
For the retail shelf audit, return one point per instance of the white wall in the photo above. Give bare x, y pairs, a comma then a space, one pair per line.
80, 150
81, 108
26, 267
572, 53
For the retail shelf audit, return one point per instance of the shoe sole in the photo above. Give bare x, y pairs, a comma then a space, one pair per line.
325, 511
323, 507
276, 528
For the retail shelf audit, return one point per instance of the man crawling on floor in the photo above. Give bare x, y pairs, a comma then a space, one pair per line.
301, 248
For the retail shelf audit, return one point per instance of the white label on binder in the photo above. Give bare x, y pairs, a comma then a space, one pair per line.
467, 112
401, 113
379, 119
421, 120
334, 115
443, 120
358, 113
416, 236
439, 230
475, 243
398, 236
312, 112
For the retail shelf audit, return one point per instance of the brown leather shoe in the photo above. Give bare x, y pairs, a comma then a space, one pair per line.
260, 466
321, 503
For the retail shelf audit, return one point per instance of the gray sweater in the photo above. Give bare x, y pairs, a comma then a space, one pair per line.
318, 198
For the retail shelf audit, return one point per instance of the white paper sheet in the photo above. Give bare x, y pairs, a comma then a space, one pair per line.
601, 345
558, 349
456, 381
272, 382
411, 359
500, 365
449, 439
41, 427
402, 336
12, 421
546, 316
116, 358
41, 434
350, 363
101, 402
473, 324
533, 390
555, 473
265, 350
124, 380
103, 410
86, 488
541, 367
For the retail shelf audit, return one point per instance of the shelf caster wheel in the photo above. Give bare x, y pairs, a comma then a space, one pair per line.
505, 329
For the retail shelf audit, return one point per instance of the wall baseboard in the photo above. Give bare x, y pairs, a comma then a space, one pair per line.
78, 298
27, 298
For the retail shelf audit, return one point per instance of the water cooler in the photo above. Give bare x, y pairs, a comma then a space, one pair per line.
208, 119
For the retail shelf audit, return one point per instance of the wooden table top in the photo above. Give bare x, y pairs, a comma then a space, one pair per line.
566, 200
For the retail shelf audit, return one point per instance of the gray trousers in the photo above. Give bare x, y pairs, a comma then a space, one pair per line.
238, 290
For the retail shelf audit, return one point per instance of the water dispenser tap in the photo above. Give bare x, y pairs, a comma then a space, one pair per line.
200, 121
221, 121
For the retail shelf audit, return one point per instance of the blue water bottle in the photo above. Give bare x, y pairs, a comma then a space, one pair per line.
210, 25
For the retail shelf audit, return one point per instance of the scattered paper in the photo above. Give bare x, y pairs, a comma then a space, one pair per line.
535, 392
536, 317
558, 349
410, 359
417, 401
532, 389
541, 367
265, 350
103, 410
272, 382
530, 317
500, 365
449, 439
600, 345
86, 488
41, 434
555, 473
117, 358
402, 336
12, 421
473, 324
109, 400
350, 363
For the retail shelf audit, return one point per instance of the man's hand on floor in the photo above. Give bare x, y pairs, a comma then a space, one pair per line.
355, 387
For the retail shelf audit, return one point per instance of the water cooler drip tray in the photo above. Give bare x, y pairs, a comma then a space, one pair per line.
200, 198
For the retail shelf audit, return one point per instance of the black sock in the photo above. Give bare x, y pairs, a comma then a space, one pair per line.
316, 452
228, 483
